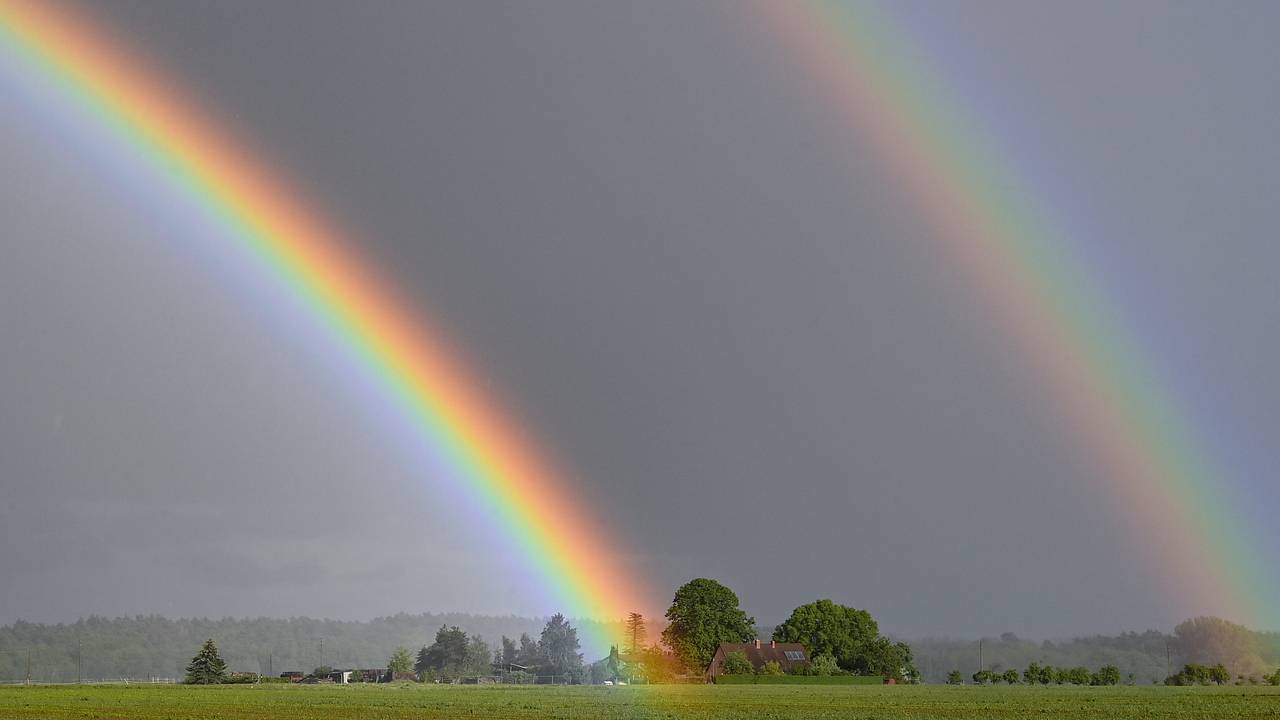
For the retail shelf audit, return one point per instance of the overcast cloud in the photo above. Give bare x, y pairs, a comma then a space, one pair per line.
679, 268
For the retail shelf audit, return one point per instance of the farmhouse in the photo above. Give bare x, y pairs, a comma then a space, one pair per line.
790, 656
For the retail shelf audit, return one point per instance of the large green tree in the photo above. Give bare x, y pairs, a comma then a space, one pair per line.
888, 659
207, 667
558, 648
454, 655
509, 651
1212, 640
702, 615
447, 655
825, 628
477, 660
851, 636
528, 655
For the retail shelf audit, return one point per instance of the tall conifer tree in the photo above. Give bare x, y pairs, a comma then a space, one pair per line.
207, 667
637, 633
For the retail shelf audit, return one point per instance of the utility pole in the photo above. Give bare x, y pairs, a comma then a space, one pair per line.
980, 666
1168, 667
28, 666
79, 665
321, 652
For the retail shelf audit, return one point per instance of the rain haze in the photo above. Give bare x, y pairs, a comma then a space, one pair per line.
689, 278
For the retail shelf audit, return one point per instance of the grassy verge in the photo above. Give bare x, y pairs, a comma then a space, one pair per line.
697, 702
798, 680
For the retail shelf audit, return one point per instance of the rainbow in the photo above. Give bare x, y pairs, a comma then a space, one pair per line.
1018, 265
414, 363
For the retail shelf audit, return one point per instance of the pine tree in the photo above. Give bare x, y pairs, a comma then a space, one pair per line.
614, 664
206, 668
636, 632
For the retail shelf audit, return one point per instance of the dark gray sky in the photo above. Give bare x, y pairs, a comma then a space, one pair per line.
683, 272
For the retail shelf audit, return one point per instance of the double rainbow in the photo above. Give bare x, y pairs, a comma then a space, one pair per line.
414, 362
1015, 259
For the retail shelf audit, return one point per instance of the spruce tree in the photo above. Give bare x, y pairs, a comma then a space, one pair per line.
206, 668
636, 632
614, 664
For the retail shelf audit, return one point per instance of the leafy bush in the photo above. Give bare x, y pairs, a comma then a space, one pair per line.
772, 668
955, 678
1039, 674
1193, 674
824, 666
1106, 675
736, 663
1078, 675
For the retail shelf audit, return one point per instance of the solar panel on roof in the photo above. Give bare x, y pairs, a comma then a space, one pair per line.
793, 654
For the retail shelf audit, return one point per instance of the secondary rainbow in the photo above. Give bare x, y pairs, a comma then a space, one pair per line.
415, 363
1018, 264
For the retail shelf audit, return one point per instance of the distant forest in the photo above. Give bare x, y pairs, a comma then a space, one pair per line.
1148, 657
154, 646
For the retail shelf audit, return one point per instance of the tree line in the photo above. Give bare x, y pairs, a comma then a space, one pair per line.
1037, 674
703, 614
1150, 657
155, 646
1196, 674
452, 656
151, 645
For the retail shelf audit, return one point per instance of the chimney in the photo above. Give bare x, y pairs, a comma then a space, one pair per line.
773, 643
757, 643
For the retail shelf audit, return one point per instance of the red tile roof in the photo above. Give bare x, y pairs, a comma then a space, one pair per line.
759, 652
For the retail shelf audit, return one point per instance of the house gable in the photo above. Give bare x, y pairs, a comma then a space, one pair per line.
789, 656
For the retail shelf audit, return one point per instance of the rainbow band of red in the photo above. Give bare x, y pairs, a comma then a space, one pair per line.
1013, 257
414, 361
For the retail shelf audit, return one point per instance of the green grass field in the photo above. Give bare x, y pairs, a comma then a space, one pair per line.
175, 702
